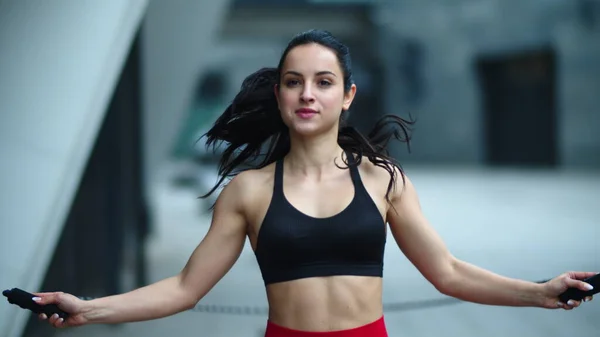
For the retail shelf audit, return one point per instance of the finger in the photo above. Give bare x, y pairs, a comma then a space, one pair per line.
580, 275
573, 303
59, 323
565, 306
42, 295
588, 298
42, 317
571, 283
52, 320
46, 298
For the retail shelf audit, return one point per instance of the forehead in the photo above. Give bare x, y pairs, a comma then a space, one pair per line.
311, 58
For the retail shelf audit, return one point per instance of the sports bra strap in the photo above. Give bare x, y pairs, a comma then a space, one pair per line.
353, 168
278, 183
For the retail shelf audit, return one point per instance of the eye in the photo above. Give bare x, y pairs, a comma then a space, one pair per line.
324, 83
291, 83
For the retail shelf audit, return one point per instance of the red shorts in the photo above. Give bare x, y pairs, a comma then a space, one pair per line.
375, 329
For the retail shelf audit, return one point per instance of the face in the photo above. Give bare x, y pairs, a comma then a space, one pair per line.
311, 93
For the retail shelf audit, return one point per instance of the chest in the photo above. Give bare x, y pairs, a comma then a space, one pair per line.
319, 209
319, 199
354, 234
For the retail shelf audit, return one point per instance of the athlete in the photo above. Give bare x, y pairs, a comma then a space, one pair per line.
316, 200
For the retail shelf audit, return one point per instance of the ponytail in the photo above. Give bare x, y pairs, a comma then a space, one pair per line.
251, 122
374, 146
256, 136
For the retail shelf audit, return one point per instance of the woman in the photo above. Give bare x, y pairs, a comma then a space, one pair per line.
315, 207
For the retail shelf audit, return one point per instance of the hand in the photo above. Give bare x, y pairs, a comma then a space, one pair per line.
75, 307
562, 283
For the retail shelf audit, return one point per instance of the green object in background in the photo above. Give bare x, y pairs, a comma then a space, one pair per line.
197, 122
207, 105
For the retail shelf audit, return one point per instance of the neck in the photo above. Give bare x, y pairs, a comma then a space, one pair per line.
314, 155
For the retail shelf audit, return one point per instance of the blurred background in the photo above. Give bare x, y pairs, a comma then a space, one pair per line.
102, 104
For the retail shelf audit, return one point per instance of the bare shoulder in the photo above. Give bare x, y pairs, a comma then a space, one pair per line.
248, 187
254, 180
380, 175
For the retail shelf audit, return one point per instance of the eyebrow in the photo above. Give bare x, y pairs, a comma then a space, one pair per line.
324, 72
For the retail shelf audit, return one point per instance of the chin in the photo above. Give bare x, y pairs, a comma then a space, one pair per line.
305, 130
310, 129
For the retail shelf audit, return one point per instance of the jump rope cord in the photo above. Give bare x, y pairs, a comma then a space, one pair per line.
247, 310
387, 307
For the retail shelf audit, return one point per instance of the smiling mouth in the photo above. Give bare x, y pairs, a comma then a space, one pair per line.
305, 113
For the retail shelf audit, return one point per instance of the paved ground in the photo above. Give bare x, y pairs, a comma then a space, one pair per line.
525, 224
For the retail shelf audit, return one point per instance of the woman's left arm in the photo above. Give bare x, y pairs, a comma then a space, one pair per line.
453, 277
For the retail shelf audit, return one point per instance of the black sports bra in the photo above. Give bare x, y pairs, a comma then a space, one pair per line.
292, 245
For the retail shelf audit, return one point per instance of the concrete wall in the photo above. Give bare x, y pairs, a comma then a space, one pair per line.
579, 95
178, 39
59, 64
454, 34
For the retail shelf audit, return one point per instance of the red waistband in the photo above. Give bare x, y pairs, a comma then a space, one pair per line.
374, 329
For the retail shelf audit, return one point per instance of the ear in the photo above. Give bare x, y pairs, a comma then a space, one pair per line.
349, 97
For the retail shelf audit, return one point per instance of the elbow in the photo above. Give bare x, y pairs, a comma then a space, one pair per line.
187, 298
189, 305
186, 304
447, 278
188, 301
445, 287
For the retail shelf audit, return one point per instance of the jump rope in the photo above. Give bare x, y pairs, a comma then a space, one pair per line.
24, 300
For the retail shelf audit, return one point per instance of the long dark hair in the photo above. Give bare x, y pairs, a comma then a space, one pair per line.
255, 135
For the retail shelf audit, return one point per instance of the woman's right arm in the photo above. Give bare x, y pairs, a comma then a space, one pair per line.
210, 261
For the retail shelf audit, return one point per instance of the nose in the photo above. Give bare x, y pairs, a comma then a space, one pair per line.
307, 95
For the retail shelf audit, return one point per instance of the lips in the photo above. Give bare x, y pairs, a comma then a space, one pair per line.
305, 113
